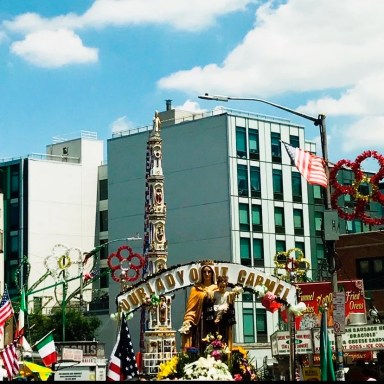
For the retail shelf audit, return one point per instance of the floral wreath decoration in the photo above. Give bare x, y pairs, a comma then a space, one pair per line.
299, 265
353, 190
120, 268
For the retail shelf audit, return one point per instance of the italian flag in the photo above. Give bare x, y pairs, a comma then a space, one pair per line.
21, 328
47, 350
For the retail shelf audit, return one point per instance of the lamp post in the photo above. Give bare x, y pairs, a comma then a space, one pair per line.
330, 221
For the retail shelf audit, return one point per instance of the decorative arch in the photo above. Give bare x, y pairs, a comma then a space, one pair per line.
181, 276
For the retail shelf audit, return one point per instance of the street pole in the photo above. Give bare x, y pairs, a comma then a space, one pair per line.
330, 221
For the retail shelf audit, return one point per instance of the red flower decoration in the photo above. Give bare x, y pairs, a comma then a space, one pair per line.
121, 266
361, 201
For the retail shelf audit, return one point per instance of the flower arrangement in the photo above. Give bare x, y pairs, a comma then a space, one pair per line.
216, 347
216, 364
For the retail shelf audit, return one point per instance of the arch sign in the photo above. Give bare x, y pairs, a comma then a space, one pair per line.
182, 276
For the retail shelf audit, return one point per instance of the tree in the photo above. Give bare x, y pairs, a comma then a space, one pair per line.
78, 327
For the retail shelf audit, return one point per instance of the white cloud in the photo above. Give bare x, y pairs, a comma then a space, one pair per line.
367, 132
121, 124
54, 49
190, 106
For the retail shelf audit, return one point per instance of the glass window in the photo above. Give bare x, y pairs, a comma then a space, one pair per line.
14, 247
318, 221
258, 253
248, 325
241, 142
242, 180
294, 141
299, 245
245, 251
279, 219
104, 278
103, 185
317, 192
253, 144
280, 246
371, 271
255, 181
103, 250
296, 186
358, 226
257, 220
261, 325
298, 218
276, 146
14, 216
244, 217
103, 221
277, 176
15, 181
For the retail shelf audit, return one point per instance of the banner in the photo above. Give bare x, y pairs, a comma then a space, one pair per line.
181, 276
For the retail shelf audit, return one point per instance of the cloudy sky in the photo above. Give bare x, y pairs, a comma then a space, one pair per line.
105, 65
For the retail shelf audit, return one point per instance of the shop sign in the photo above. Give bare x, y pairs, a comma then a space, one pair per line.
311, 374
369, 337
352, 356
319, 294
280, 341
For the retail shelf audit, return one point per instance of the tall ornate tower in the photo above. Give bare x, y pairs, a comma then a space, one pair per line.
157, 336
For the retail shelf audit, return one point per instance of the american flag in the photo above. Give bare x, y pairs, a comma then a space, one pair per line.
122, 364
10, 360
6, 310
310, 166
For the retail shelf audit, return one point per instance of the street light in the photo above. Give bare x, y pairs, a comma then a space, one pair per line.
330, 221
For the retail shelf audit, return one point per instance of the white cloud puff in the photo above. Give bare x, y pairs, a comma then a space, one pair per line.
48, 48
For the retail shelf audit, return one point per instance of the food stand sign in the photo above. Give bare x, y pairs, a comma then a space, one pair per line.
319, 294
280, 342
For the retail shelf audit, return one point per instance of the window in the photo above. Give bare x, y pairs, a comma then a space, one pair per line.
104, 278
103, 221
241, 143
103, 250
298, 222
15, 181
255, 182
279, 220
280, 246
317, 195
242, 180
244, 217
276, 147
371, 271
277, 176
296, 187
248, 325
14, 216
245, 251
318, 222
258, 253
14, 247
294, 141
103, 189
254, 144
247, 297
261, 325
257, 220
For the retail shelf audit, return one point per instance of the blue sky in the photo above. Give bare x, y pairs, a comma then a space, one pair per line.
105, 65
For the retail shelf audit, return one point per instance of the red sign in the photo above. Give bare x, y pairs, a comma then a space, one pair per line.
352, 356
319, 294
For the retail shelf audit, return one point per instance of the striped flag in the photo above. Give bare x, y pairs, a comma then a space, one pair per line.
47, 350
10, 360
310, 166
122, 364
21, 327
6, 310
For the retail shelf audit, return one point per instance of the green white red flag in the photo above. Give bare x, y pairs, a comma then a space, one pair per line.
47, 350
21, 327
